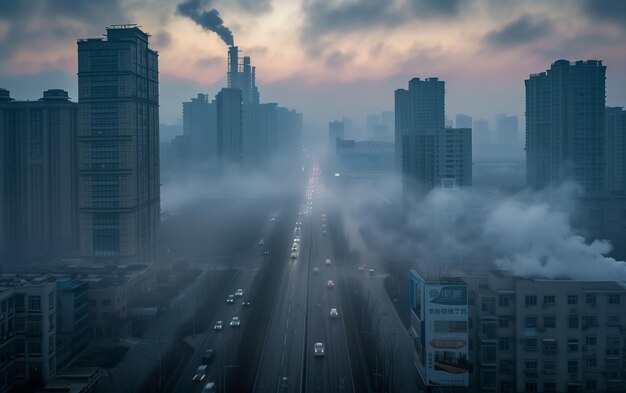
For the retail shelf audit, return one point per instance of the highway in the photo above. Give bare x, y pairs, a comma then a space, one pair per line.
300, 315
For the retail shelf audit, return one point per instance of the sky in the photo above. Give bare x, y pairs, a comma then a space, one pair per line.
328, 58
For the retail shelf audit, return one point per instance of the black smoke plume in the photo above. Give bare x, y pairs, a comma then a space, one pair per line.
209, 20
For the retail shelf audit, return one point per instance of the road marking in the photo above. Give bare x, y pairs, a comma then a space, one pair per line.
285, 341
287, 324
282, 360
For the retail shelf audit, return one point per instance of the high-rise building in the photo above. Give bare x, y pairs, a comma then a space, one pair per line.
427, 153
565, 125
463, 121
38, 180
335, 131
200, 124
616, 149
118, 145
229, 127
507, 129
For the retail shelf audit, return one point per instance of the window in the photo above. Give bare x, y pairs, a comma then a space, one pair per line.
613, 344
106, 302
590, 321
549, 321
572, 300
572, 345
549, 387
614, 299
530, 322
549, 367
572, 366
20, 325
530, 387
51, 300
591, 298
34, 303
506, 366
488, 305
549, 346
591, 340
20, 347
503, 322
531, 365
572, 321
612, 320
590, 362
504, 344
530, 300
19, 303
549, 300
503, 300
532, 344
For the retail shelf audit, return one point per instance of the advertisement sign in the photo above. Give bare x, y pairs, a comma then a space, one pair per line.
446, 335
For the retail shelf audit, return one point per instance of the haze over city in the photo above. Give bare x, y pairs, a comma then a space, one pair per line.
312, 196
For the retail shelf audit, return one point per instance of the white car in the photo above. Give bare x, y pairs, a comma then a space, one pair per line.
334, 313
318, 349
209, 387
328, 261
235, 322
316, 270
219, 325
294, 254
330, 284
239, 292
230, 299
200, 373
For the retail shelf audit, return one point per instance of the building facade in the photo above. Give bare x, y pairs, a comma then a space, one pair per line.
540, 335
616, 149
565, 126
229, 127
200, 126
38, 180
118, 145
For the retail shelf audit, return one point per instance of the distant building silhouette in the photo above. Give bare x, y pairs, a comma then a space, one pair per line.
336, 132
463, 121
565, 125
229, 127
118, 145
427, 153
38, 177
242, 75
200, 124
507, 129
480, 131
616, 149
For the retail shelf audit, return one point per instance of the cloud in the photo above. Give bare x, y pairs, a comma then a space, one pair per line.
522, 30
161, 40
338, 59
40, 24
613, 11
208, 20
255, 6
210, 61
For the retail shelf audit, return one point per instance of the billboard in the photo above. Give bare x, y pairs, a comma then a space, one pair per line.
445, 334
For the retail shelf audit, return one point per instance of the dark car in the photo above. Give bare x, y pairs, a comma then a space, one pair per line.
208, 356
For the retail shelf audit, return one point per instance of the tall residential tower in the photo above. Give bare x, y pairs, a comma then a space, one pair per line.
118, 93
565, 125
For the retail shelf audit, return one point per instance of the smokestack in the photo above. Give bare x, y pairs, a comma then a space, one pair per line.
209, 20
233, 66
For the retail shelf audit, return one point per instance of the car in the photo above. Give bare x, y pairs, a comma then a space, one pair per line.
371, 272
208, 356
328, 261
294, 247
261, 242
246, 303
200, 373
209, 387
218, 325
324, 232
230, 299
330, 284
334, 313
235, 322
266, 252
361, 268
316, 270
239, 292
318, 349
273, 219
294, 254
